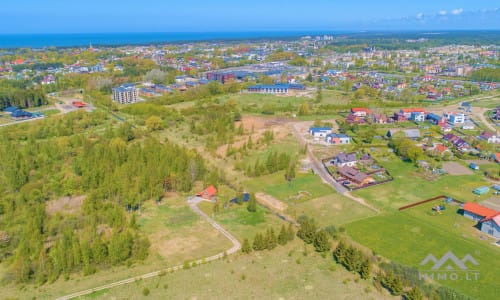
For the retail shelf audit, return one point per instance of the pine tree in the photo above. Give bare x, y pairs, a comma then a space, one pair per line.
258, 242
252, 203
340, 252
322, 241
246, 248
271, 240
290, 233
366, 269
283, 236
414, 294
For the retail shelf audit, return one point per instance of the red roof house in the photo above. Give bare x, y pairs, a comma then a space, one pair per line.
208, 193
478, 212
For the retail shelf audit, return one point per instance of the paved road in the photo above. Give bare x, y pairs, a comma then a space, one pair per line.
319, 169
193, 204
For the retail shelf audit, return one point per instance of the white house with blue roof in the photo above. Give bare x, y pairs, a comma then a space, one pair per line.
320, 132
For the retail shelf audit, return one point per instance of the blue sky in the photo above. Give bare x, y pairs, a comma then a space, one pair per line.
66, 16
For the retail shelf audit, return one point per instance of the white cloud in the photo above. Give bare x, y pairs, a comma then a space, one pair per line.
457, 11
420, 16
442, 12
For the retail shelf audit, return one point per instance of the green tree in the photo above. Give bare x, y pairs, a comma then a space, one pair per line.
366, 269
258, 242
414, 294
252, 203
283, 236
154, 123
290, 232
322, 241
246, 248
271, 240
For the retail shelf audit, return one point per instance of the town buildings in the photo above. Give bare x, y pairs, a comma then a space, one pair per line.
125, 94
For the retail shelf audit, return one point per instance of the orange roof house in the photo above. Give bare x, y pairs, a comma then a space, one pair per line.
208, 193
479, 210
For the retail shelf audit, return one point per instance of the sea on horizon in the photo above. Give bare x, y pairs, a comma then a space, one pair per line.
118, 39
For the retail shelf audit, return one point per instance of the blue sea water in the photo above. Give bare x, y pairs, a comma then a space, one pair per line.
116, 39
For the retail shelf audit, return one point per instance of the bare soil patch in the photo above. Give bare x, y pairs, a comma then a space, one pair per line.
454, 168
478, 162
64, 205
270, 202
493, 203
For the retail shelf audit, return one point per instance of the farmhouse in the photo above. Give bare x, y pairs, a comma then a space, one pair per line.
338, 139
345, 159
489, 219
208, 193
354, 175
318, 132
409, 112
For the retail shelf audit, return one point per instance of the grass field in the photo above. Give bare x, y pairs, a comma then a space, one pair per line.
331, 209
409, 187
275, 185
408, 237
265, 275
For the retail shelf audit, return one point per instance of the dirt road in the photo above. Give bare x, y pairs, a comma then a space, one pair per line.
318, 168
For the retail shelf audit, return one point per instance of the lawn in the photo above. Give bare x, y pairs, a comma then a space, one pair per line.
332, 209
408, 237
283, 273
242, 223
408, 186
275, 185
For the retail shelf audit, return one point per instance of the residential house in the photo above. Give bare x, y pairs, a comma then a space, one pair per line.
458, 142
354, 175
353, 119
345, 159
380, 119
496, 157
209, 193
455, 118
417, 116
360, 111
488, 219
338, 139
407, 112
318, 132
489, 137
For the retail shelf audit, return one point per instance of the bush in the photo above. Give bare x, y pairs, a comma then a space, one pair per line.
145, 291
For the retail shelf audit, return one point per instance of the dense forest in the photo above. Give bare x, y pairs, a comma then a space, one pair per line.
113, 170
20, 94
487, 74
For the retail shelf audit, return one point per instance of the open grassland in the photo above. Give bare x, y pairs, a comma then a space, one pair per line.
331, 209
177, 234
408, 237
408, 186
283, 273
242, 223
276, 185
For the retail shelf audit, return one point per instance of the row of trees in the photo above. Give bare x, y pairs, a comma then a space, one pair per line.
269, 240
310, 234
21, 97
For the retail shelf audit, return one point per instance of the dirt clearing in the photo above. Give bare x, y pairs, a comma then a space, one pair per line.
454, 168
64, 205
270, 202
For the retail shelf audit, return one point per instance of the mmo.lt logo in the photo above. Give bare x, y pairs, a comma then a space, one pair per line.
449, 267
